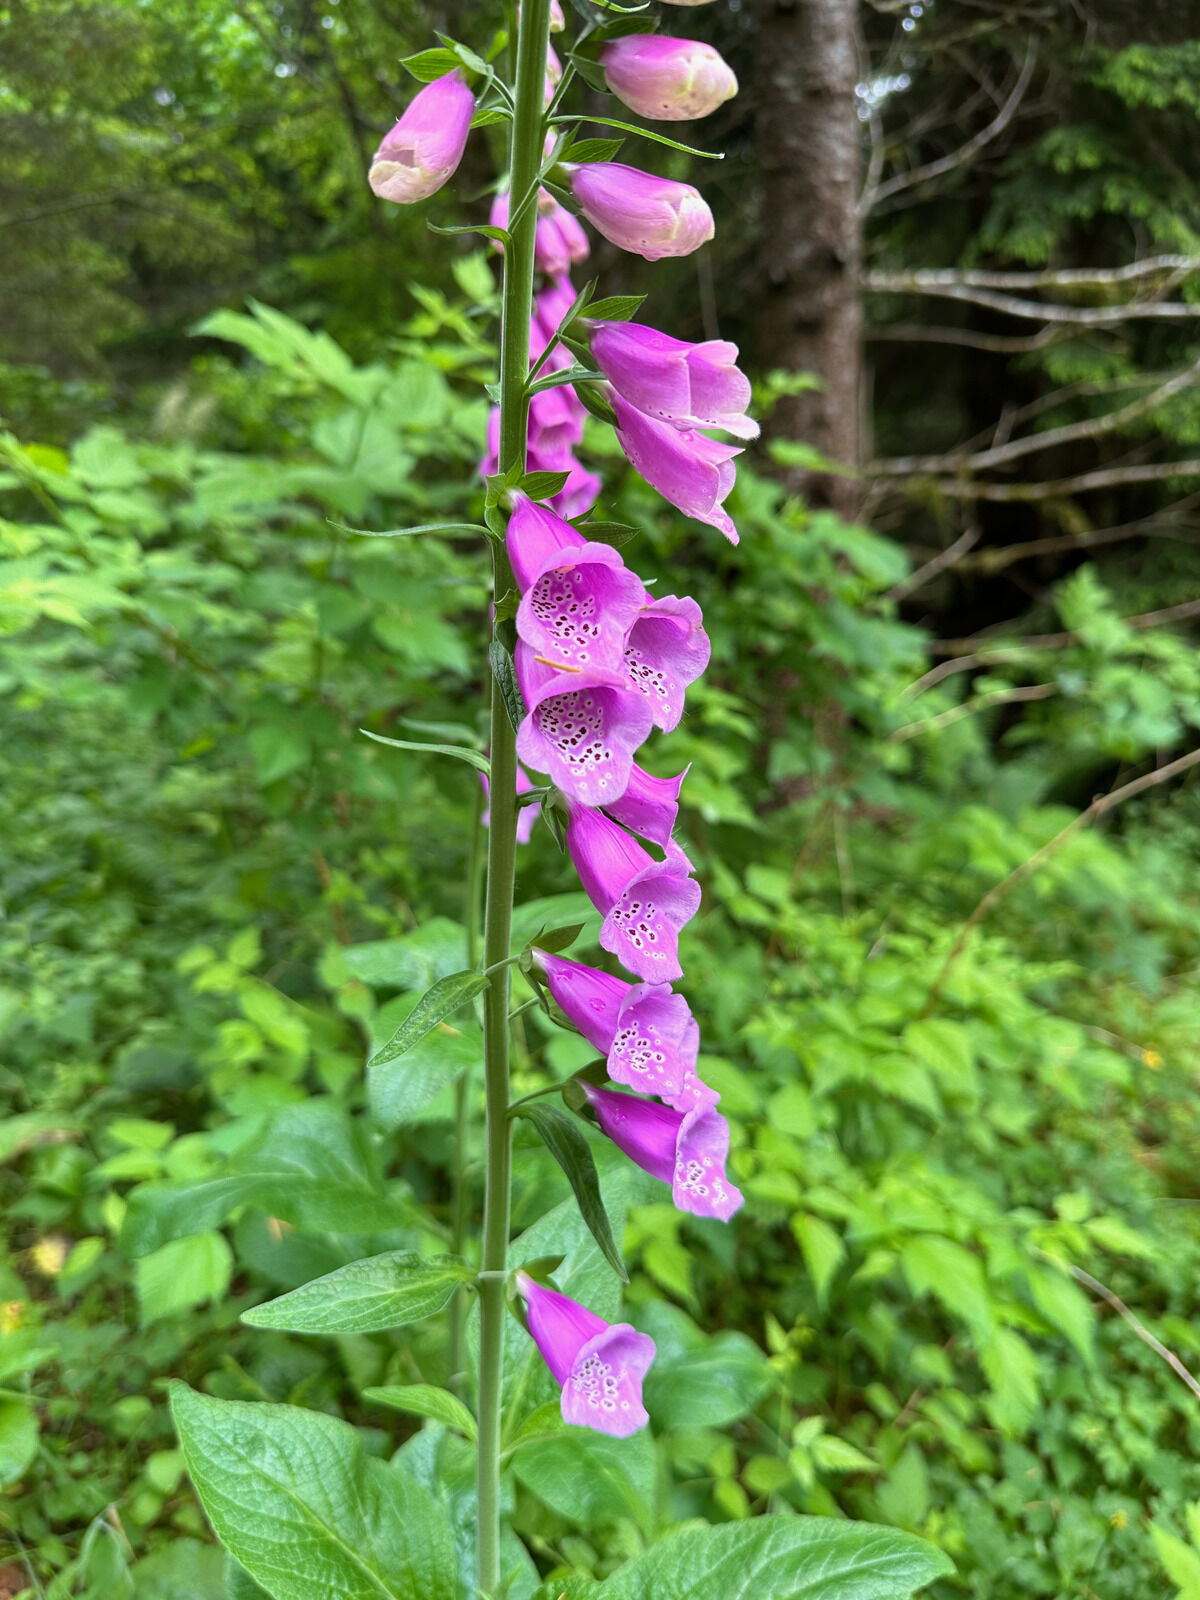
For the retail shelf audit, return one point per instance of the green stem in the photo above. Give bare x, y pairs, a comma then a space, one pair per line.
527, 134
462, 1106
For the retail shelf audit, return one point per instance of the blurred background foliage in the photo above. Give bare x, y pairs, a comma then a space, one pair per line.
949, 997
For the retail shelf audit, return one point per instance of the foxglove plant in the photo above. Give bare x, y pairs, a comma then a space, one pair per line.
585, 663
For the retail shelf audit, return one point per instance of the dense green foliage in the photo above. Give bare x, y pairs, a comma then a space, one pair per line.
217, 893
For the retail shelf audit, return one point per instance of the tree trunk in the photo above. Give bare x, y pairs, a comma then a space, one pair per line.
808, 137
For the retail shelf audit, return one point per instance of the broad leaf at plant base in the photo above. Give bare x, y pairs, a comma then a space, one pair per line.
294, 1499
772, 1558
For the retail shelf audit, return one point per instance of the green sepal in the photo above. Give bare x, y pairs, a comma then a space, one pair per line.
614, 307
584, 151
542, 485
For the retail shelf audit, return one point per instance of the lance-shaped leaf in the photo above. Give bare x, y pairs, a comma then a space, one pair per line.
425, 1400
505, 674
446, 997
367, 1296
567, 1145
614, 307
461, 752
408, 533
295, 1500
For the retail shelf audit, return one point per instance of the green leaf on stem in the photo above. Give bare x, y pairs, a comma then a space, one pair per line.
501, 235
491, 115
462, 752
294, 1498
785, 1558
408, 533
614, 307
614, 533
556, 939
447, 996
428, 65
466, 56
567, 1145
645, 133
367, 1296
590, 71
542, 485
505, 674
587, 150
425, 1400
558, 380
620, 27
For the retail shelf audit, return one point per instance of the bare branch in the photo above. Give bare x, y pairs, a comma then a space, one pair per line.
1099, 806
1000, 455
996, 559
971, 708
949, 286
965, 153
1105, 478
939, 563
997, 343
1179, 267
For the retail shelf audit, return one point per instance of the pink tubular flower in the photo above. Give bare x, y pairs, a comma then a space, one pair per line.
666, 650
692, 472
688, 385
649, 805
653, 217
688, 1150
600, 1365
581, 727
526, 816
644, 903
645, 1031
578, 604
556, 418
421, 152
667, 80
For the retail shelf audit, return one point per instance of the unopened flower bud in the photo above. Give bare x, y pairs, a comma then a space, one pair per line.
667, 80
422, 151
652, 217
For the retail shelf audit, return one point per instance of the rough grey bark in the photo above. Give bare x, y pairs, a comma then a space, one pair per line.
808, 139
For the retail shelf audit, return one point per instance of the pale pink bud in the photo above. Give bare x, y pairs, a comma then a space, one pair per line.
557, 21
667, 80
422, 151
652, 217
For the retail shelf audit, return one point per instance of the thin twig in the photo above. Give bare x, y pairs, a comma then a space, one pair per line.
1083, 483
944, 558
1100, 805
1138, 1326
945, 286
970, 708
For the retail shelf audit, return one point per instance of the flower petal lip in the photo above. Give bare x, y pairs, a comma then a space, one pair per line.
666, 650
581, 728
693, 473
667, 80
688, 1149
422, 150
688, 385
579, 607
649, 216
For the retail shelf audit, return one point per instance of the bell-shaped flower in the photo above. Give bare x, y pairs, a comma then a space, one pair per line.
666, 650
649, 806
667, 80
644, 903
645, 1031
600, 1365
688, 385
690, 471
422, 151
652, 217
582, 728
578, 604
688, 1149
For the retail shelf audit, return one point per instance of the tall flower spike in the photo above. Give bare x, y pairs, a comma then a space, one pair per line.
688, 385
667, 80
666, 650
600, 1365
688, 1150
581, 728
645, 1031
423, 149
652, 217
689, 470
645, 903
